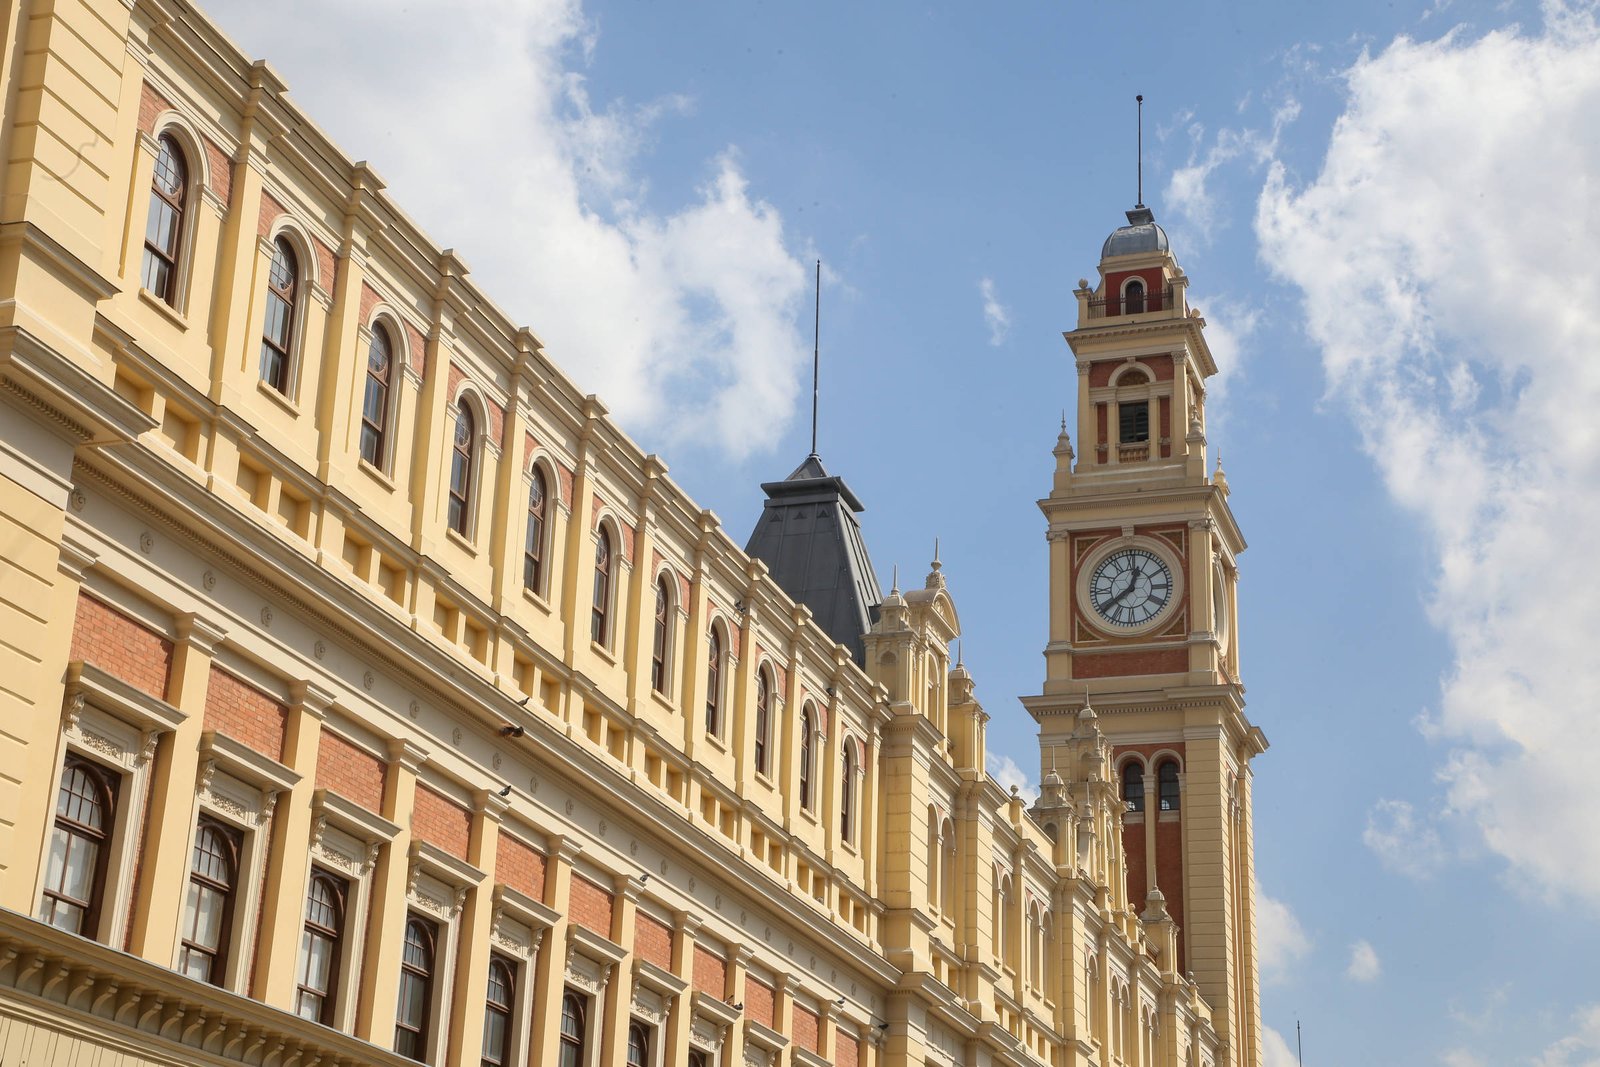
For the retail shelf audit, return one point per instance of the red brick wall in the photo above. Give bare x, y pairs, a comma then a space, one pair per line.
442, 822
806, 1028
221, 170
327, 265
354, 774
245, 714
270, 210
151, 104
758, 1001
652, 940
591, 906
1169, 841
1166, 426
1113, 664
419, 350
1169, 874
520, 866
846, 1051
121, 647
497, 414
710, 972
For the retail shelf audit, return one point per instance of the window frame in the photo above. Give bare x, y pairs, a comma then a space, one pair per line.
421, 1034
465, 456
182, 204
763, 722
107, 784
578, 1039
605, 568
645, 1033
716, 677
343, 894
1133, 289
218, 956
806, 781
506, 1011
661, 637
848, 815
1134, 766
293, 297
1164, 802
536, 532
378, 431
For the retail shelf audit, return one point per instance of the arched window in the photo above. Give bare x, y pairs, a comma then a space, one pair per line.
375, 401
319, 947
497, 1009
74, 880
806, 746
277, 336
416, 990
697, 1058
1133, 785
533, 539
947, 869
600, 616
638, 1045
1049, 940
935, 858
1167, 784
1008, 923
658, 645
1133, 297
208, 911
163, 228
847, 794
1035, 948
714, 684
572, 1031
461, 459
763, 720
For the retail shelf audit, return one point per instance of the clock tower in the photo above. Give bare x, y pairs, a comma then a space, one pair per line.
1144, 554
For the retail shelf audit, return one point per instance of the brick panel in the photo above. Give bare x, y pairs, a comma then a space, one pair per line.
1169, 875
652, 940
353, 773
327, 265
710, 973
806, 1028
419, 350
441, 822
1114, 664
846, 1051
591, 906
270, 210
369, 300
758, 1001
520, 866
245, 714
151, 105
121, 647
221, 168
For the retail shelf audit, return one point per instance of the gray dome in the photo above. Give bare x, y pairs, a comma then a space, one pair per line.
1141, 235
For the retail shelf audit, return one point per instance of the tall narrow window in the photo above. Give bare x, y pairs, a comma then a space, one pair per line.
1167, 784
375, 401
163, 228
572, 1031
947, 870
1133, 421
638, 1045
805, 758
714, 684
497, 1008
533, 543
416, 990
319, 947
600, 616
763, 720
1133, 785
74, 880
461, 458
697, 1058
213, 874
1133, 297
658, 645
847, 794
277, 338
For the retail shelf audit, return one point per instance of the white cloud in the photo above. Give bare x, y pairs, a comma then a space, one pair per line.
1230, 325
1281, 940
1004, 770
1276, 1051
995, 314
1364, 963
1445, 260
1581, 1048
684, 318
1188, 191
1405, 843
1460, 1057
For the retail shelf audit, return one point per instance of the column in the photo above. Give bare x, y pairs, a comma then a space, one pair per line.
619, 995
477, 917
380, 970
289, 861
550, 971
738, 969
675, 1043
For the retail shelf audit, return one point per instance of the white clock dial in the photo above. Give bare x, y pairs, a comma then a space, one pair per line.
1131, 587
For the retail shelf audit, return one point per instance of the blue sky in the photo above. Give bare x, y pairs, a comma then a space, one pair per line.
1388, 214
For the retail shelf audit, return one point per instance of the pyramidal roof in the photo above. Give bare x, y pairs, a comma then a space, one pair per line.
810, 540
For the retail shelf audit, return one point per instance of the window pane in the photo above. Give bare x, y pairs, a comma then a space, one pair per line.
78, 876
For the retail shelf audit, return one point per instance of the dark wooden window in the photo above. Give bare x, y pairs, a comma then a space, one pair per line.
461, 459
714, 684
533, 541
375, 401
805, 758
163, 228
847, 794
638, 1045
277, 336
320, 943
1133, 785
1134, 422
208, 911
572, 1031
75, 871
1167, 785
698, 1058
415, 1011
1133, 297
497, 1011
600, 616
658, 645
763, 720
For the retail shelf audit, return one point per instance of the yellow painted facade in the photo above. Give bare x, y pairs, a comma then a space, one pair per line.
311, 755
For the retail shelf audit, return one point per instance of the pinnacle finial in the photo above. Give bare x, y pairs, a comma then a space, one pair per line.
936, 563
960, 662
894, 580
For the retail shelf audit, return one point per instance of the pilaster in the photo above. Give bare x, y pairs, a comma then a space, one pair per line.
380, 971
477, 918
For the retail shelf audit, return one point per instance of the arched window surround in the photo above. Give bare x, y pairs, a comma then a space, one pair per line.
851, 772
467, 399
1169, 784
196, 192
375, 436
718, 671
1132, 764
664, 632
806, 756
1135, 295
603, 601
947, 869
765, 711
540, 464
306, 289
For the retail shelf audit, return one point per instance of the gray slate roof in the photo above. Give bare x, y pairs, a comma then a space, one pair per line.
1141, 234
810, 540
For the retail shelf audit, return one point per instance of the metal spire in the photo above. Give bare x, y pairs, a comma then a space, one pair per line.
1140, 99
816, 362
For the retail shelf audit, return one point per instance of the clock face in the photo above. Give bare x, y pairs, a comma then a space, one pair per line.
1131, 587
